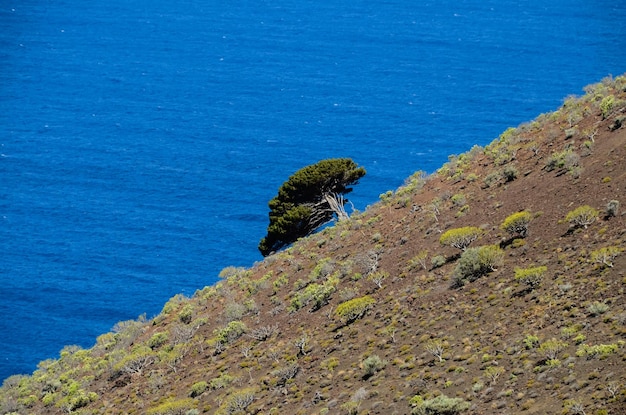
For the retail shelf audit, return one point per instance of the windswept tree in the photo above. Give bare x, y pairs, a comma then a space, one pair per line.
311, 197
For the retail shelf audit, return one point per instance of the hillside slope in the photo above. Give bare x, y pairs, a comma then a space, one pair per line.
380, 314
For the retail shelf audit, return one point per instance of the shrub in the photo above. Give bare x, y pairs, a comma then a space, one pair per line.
435, 347
198, 388
596, 308
493, 373
460, 238
230, 333
582, 216
606, 255
599, 350
437, 261
531, 341
351, 310
222, 381
517, 223
371, 365
612, 208
551, 348
476, 262
567, 159
316, 294
530, 276
606, 105
440, 405
136, 361
238, 402
509, 173
283, 374
157, 340
173, 407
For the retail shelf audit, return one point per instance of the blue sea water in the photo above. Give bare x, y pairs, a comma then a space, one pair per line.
140, 141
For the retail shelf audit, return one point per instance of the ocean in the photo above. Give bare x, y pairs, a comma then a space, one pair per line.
140, 141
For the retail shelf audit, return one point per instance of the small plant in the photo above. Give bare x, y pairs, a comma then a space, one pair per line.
551, 348
371, 365
530, 276
493, 373
198, 388
460, 238
351, 310
437, 261
173, 407
238, 402
612, 208
531, 341
606, 105
439, 405
419, 260
582, 216
435, 347
222, 381
598, 350
605, 256
509, 173
476, 262
517, 223
596, 308
575, 408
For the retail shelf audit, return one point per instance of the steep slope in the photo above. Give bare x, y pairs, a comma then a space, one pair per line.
381, 315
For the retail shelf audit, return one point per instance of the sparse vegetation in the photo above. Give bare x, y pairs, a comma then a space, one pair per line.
460, 238
361, 316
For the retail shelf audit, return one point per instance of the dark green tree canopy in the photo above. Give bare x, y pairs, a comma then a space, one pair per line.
311, 197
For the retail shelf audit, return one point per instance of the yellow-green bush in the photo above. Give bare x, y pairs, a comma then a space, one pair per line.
460, 238
476, 262
582, 216
517, 223
606, 255
173, 407
356, 308
530, 276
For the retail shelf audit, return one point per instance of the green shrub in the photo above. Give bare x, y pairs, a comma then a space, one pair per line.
222, 381
198, 388
509, 173
460, 238
440, 405
567, 159
371, 365
437, 261
551, 348
238, 402
157, 340
606, 255
582, 216
517, 223
596, 308
230, 333
530, 276
476, 262
531, 341
599, 350
606, 105
351, 310
315, 294
173, 407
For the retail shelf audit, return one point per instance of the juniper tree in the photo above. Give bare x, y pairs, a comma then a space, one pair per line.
311, 197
